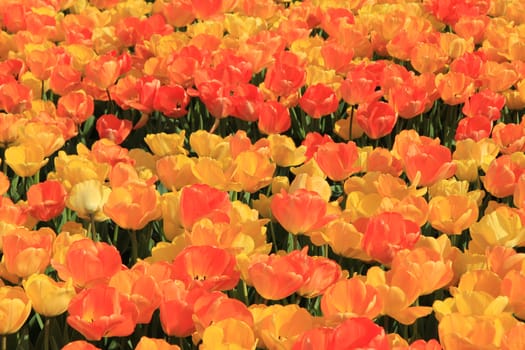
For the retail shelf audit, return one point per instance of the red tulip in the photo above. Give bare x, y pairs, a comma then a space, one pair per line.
319, 100
110, 127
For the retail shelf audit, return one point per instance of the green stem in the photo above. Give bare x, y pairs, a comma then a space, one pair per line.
134, 247
115, 234
3, 345
245, 293
46, 334
274, 240
92, 229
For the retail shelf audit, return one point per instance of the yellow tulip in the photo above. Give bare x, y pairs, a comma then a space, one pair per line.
87, 198
48, 297
284, 152
228, 334
15, 308
25, 159
163, 144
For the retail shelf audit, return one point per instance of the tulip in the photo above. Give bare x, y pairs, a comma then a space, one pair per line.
210, 308
319, 100
25, 160
301, 211
48, 297
46, 199
146, 343
228, 333
278, 326
15, 308
110, 127
88, 263
387, 233
163, 144
101, 311
207, 267
133, 206
199, 201
337, 160
27, 252
350, 298
87, 199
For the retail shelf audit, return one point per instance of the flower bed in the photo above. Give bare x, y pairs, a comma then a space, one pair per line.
256, 174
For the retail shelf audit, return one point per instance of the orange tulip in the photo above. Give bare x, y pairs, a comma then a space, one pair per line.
101, 311
207, 267
80, 345
46, 199
27, 252
274, 118
213, 307
64, 78
351, 298
359, 333
276, 277
146, 343
382, 160
428, 58
398, 290
387, 233
286, 75
15, 308
133, 206
300, 212
227, 333
430, 269
322, 273
376, 118
509, 137
15, 97
360, 85
199, 201
337, 160
88, 263
454, 87
176, 308
104, 70
425, 164
10, 125
77, 105
141, 289
319, 338
503, 174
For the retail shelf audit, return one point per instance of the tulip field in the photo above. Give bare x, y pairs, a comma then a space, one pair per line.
262, 174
